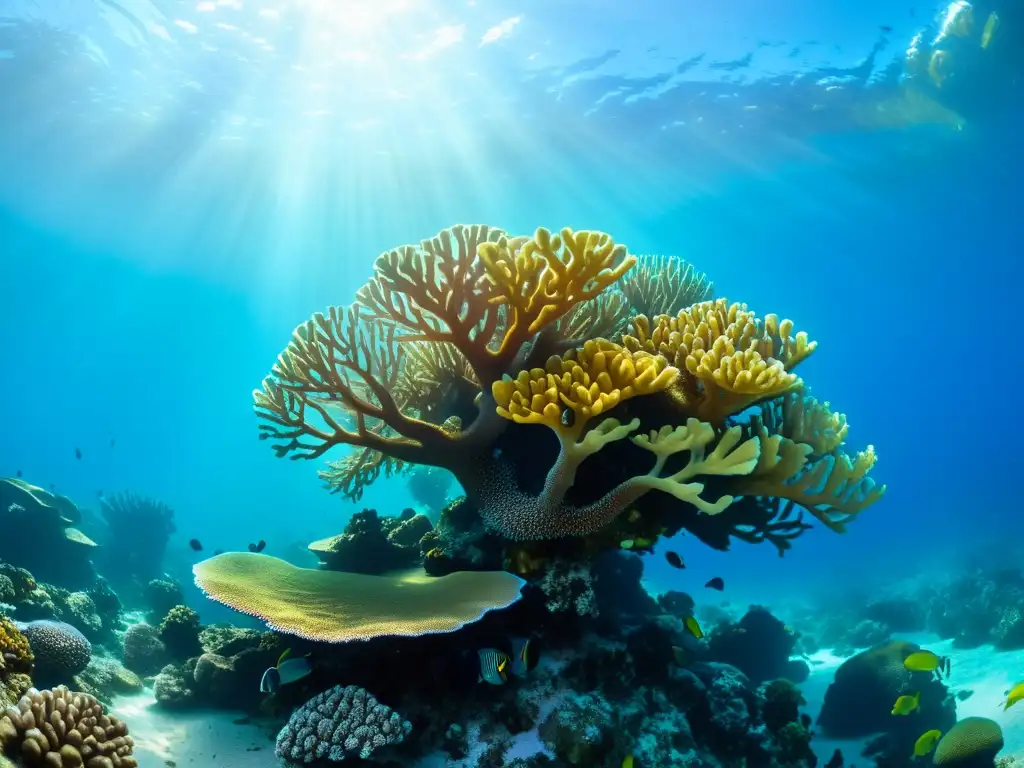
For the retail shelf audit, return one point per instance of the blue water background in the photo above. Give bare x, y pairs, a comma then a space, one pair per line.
152, 268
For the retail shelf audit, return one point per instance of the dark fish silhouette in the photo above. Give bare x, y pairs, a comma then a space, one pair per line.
258, 547
716, 583
674, 560
18, 473
836, 761
111, 442
885, 28
78, 453
218, 552
196, 545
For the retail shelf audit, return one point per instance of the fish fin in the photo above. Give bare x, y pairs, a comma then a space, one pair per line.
287, 652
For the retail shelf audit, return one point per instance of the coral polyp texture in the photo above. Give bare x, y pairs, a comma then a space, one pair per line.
459, 349
345, 721
58, 727
334, 607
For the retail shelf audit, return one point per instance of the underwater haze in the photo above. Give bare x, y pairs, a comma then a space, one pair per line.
183, 184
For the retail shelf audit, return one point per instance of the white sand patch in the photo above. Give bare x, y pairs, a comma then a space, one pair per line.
205, 738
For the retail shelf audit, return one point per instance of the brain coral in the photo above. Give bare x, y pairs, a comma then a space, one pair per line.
972, 741
344, 721
332, 606
61, 729
61, 651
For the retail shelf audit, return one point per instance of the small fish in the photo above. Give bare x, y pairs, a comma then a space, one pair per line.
99, 493
78, 453
926, 742
906, 704
991, 27
626, 544
111, 442
885, 28
679, 655
258, 547
836, 761
634, 516
627, 761
926, 661
674, 560
19, 473
196, 545
1014, 695
716, 583
218, 552
693, 627
494, 666
805, 721
287, 670
641, 543
522, 656
568, 417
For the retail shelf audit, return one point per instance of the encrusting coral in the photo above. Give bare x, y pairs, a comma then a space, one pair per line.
61, 728
456, 347
331, 606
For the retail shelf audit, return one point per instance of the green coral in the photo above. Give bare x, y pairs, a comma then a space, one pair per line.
179, 631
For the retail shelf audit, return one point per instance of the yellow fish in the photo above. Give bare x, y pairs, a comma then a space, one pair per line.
926, 661
693, 627
906, 704
1016, 694
926, 742
991, 27
626, 543
627, 761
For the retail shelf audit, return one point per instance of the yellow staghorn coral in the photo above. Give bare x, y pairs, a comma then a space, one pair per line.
731, 360
336, 607
834, 488
662, 285
589, 381
542, 279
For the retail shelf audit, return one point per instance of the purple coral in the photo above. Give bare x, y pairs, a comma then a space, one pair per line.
338, 723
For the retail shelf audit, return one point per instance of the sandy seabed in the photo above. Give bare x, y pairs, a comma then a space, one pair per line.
219, 739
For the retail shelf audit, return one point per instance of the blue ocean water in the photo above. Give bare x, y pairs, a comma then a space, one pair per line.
182, 183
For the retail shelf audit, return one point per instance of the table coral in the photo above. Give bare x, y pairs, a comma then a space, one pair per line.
457, 345
61, 728
345, 721
332, 606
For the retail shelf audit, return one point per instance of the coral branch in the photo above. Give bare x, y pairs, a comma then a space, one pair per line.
342, 364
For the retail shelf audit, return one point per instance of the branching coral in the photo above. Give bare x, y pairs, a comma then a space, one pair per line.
732, 360
456, 342
662, 285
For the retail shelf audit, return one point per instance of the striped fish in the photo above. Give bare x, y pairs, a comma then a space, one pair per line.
520, 656
494, 666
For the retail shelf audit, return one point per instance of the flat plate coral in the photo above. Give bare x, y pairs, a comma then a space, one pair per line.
336, 607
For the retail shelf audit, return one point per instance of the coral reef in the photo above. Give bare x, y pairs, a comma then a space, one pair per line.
429, 487
759, 645
373, 545
137, 532
179, 632
106, 678
502, 333
973, 742
859, 701
333, 607
60, 650
344, 721
60, 728
159, 596
39, 534
144, 652
16, 661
